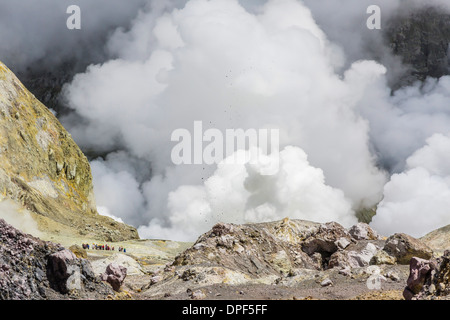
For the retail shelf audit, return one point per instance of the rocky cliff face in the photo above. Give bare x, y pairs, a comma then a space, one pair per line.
43, 169
421, 39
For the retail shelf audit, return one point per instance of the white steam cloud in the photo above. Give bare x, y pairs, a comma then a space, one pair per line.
216, 62
34, 33
18, 217
418, 200
303, 67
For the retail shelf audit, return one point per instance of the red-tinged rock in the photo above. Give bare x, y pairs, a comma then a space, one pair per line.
114, 275
420, 271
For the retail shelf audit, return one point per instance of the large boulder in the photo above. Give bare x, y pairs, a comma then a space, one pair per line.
326, 240
64, 271
133, 267
429, 279
356, 255
115, 275
362, 231
419, 273
403, 247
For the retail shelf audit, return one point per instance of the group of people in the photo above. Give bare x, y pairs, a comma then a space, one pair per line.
106, 247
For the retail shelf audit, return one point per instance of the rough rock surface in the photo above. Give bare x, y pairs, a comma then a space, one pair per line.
362, 231
281, 248
325, 240
43, 169
356, 255
290, 255
404, 247
420, 271
429, 279
115, 275
438, 240
255, 249
31, 269
78, 251
421, 38
132, 266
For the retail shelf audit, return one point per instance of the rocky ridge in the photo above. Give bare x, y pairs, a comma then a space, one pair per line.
43, 169
290, 254
289, 259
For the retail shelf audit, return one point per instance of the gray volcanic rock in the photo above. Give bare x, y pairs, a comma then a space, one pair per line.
356, 255
404, 247
254, 249
286, 255
421, 38
324, 240
31, 269
362, 231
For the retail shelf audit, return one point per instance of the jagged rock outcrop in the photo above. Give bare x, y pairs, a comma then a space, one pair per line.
421, 38
356, 255
281, 248
43, 169
255, 249
326, 240
32, 269
429, 279
286, 253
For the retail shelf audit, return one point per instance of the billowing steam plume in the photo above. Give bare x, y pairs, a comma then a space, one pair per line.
305, 68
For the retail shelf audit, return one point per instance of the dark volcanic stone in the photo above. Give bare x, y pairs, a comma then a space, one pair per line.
421, 38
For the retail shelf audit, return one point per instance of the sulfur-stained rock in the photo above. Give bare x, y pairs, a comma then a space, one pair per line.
42, 168
382, 257
78, 251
